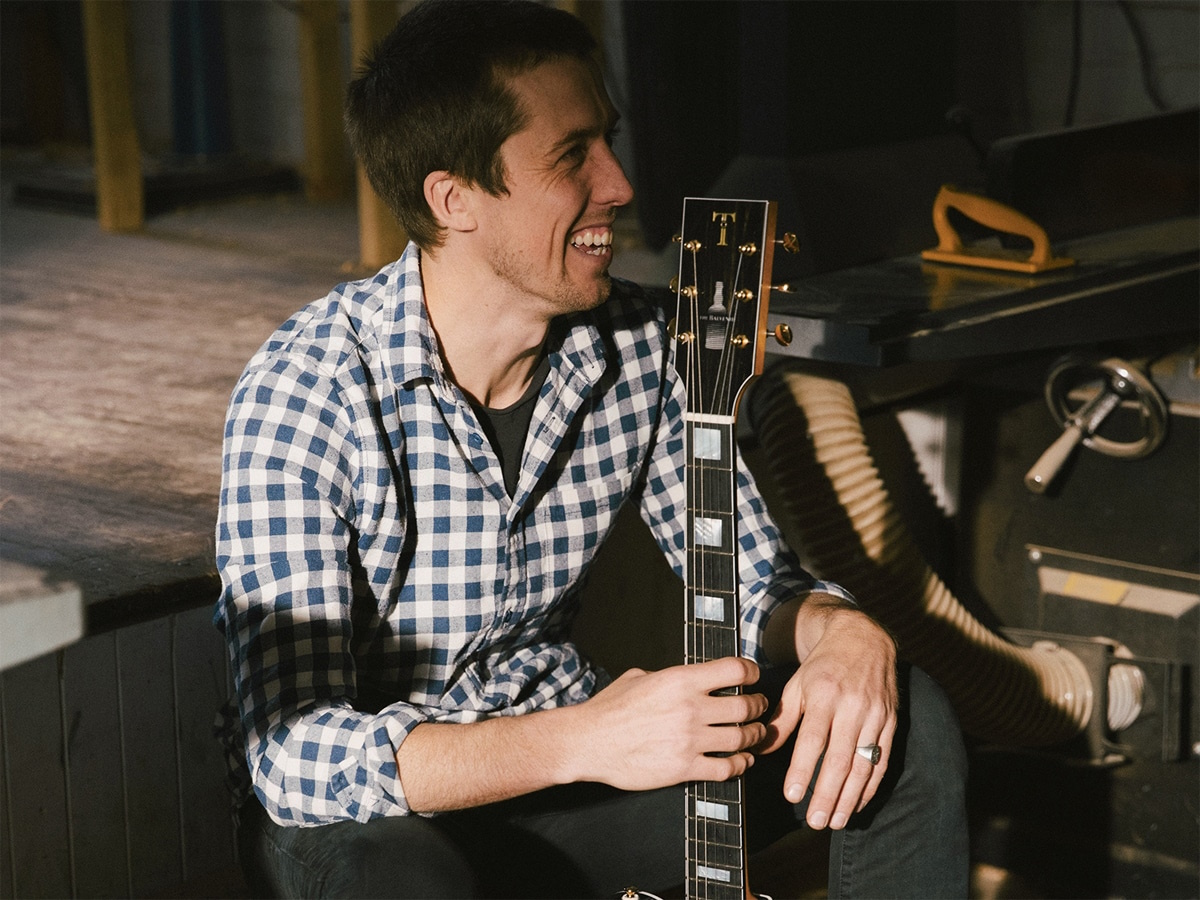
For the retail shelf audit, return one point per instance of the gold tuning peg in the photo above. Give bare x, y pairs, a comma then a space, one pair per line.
789, 242
782, 334
784, 288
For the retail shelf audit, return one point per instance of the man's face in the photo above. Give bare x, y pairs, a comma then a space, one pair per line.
550, 237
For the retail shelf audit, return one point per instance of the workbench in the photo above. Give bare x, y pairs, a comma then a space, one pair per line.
1127, 283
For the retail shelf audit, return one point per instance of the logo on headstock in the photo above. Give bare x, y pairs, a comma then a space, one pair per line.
724, 219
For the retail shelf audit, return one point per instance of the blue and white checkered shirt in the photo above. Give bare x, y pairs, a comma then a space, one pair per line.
377, 575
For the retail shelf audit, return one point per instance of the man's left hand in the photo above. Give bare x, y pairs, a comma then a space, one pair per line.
843, 696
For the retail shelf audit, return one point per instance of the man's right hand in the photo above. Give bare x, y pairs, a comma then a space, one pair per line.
653, 729
645, 730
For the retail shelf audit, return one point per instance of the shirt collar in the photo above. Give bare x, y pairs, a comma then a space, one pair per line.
410, 346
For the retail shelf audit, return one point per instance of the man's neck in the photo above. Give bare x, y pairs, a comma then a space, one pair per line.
490, 349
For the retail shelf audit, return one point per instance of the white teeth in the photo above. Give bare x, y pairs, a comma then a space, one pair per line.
600, 241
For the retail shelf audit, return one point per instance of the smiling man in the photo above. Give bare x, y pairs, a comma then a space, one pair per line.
419, 469
537, 250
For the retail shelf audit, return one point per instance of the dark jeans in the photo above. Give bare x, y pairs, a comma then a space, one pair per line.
589, 840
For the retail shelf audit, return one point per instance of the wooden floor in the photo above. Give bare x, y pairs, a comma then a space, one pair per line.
117, 356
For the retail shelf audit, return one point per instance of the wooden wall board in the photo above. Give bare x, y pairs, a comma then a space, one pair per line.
6, 855
41, 847
133, 803
146, 676
142, 807
95, 776
202, 685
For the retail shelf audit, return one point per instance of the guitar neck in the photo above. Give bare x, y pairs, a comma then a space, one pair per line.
726, 250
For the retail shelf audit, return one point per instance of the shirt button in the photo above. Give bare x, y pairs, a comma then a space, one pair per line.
476, 441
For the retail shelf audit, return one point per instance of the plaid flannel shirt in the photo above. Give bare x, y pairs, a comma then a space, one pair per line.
375, 572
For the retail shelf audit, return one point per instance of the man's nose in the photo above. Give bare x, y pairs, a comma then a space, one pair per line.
612, 187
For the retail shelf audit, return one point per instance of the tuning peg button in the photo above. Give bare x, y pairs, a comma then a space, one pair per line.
782, 334
789, 242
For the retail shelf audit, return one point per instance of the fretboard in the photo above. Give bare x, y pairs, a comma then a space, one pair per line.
716, 865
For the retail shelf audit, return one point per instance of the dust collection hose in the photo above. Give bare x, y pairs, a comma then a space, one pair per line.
835, 502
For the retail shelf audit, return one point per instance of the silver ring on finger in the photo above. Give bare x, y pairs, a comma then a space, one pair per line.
870, 752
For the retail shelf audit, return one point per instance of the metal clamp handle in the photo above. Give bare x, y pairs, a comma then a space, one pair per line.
1122, 380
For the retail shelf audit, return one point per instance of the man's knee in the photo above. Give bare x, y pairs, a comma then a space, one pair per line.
933, 759
392, 857
412, 858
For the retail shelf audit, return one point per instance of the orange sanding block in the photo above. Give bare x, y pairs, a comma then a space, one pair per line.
996, 215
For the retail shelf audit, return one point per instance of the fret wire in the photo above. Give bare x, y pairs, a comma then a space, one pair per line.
727, 854
717, 835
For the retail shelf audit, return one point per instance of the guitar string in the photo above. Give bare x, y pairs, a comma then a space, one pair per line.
704, 586
724, 398
729, 350
706, 628
727, 387
695, 389
699, 581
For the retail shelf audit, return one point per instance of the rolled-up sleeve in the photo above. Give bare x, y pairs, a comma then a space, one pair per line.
285, 536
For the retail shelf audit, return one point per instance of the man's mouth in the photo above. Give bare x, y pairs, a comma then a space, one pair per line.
593, 241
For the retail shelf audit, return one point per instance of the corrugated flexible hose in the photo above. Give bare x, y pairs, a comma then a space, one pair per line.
836, 504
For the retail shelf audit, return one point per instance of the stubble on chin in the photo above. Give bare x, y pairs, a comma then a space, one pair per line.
566, 297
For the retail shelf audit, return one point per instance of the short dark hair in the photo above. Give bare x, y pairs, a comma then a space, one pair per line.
432, 96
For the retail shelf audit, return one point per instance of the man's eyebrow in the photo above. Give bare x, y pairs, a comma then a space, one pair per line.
576, 135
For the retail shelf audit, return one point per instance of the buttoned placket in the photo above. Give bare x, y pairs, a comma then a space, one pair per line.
569, 382
568, 386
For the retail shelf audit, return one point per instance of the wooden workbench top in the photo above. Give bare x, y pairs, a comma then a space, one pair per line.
117, 357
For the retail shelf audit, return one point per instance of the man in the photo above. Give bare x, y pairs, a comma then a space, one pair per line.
419, 468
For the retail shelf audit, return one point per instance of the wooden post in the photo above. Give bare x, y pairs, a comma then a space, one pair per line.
326, 168
380, 237
115, 149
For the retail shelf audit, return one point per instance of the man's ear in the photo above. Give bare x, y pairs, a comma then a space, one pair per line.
450, 201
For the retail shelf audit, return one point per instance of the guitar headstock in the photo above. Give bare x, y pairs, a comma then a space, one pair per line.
723, 287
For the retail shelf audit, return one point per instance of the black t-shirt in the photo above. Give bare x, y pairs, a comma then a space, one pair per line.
507, 428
